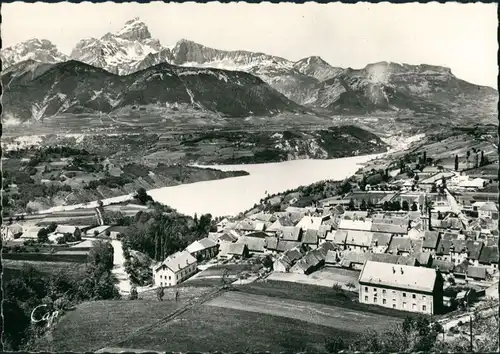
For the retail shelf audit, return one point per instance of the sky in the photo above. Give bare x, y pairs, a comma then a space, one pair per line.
462, 37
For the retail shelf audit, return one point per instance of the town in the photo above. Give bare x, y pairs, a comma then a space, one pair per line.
412, 236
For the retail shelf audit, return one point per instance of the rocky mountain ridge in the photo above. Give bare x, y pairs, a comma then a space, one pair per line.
384, 87
75, 87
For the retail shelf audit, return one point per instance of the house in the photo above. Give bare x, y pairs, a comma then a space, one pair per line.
254, 244
354, 260
264, 217
284, 246
390, 228
424, 259
361, 225
476, 273
488, 210
380, 242
430, 241
203, 249
238, 250
311, 261
332, 258
96, 231
460, 271
323, 230
407, 288
284, 262
221, 225
175, 269
443, 266
310, 238
31, 233
280, 223
404, 246
489, 257
311, 223
291, 233
358, 240
67, 229
326, 247
384, 258
115, 232
272, 243
407, 260
443, 251
11, 232
355, 215
338, 237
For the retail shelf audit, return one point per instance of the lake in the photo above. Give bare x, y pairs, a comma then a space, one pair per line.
231, 196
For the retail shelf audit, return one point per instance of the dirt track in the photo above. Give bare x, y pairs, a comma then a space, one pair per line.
329, 316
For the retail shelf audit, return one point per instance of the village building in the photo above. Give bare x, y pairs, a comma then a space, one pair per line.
404, 246
280, 223
292, 233
488, 210
311, 222
31, 233
361, 225
254, 244
11, 232
380, 242
360, 241
310, 238
489, 257
445, 267
354, 260
310, 262
430, 241
286, 260
175, 269
460, 270
393, 229
284, 246
443, 251
476, 273
203, 249
323, 230
407, 288
74, 231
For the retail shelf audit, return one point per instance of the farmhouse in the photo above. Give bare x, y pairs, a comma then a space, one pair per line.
476, 273
288, 259
393, 229
489, 257
404, 246
380, 242
323, 230
310, 238
346, 224
415, 289
238, 250
430, 241
11, 232
203, 249
287, 245
443, 266
175, 269
354, 260
31, 233
311, 223
67, 229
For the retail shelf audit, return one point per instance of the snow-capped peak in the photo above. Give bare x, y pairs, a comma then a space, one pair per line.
40, 50
134, 29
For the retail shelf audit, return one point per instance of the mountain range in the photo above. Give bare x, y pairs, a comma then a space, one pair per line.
401, 89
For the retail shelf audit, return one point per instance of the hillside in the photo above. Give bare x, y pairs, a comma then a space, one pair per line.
75, 87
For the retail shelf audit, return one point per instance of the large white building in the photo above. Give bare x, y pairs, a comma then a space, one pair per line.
175, 269
407, 288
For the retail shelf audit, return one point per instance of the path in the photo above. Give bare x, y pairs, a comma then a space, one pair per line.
190, 305
118, 270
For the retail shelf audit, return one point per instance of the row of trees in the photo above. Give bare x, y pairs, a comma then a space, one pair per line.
59, 291
479, 158
395, 205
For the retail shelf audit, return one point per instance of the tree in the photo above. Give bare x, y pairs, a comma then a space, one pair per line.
351, 204
52, 227
43, 235
267, 262
414, 207
142, 196
456, 162
133, 293
405, 206
482, 159
160, 293
425, 157
363, 206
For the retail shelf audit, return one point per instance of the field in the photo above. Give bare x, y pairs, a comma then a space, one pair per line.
316, 294
325, 277
12, 268
92, 325
330, 316
211, 328
212, 276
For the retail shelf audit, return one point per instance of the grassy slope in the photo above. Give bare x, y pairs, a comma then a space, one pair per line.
211, 328
95, 324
